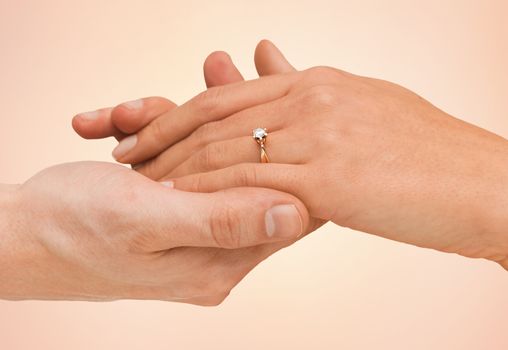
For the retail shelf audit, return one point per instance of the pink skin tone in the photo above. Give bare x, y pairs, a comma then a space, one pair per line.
360, 152
100, 231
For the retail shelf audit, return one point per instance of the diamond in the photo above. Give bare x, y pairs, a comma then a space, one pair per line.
259, 134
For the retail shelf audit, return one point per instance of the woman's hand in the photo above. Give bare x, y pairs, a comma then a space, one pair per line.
364, 153
99, 231
129, 117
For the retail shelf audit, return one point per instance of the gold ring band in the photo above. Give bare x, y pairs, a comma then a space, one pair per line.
260, 135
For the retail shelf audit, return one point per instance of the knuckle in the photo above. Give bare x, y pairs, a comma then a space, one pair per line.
316, 99
157, 131
320, 71
223, 227
197, 183
193, 183
208, 100
320, 96
203, 158
324, 73
245, 175
206, 158
202, 134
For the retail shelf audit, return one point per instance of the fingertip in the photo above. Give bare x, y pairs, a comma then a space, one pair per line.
264, 43
284, 215
290, 208
124, 147
270, 60
217, 60
82, 119
219, 69
261, 47
93, 124
76, 124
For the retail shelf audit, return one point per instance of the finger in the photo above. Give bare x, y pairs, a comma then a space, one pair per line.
130, 117
231, 219
212, 104
283, 177
238, 125
219, 69
269, 60
122, 120
95, 125
281, 147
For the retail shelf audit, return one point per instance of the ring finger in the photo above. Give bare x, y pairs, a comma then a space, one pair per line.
280, 147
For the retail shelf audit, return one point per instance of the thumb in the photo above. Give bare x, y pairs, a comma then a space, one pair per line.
233, 218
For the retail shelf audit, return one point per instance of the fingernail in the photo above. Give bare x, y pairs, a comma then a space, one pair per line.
169, 184
283, 221
125, 146
133, 105
89, 115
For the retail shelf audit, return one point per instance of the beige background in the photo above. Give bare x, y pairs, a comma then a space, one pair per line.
336, 288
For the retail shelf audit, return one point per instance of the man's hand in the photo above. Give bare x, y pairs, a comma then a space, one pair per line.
99, 231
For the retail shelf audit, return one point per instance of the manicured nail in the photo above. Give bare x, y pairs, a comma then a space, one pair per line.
125, 146
133, 105
283, 221
89, 115
169, 184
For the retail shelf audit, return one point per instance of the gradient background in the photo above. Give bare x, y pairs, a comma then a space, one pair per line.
334, 289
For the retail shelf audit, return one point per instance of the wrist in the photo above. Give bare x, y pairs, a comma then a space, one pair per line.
18, 251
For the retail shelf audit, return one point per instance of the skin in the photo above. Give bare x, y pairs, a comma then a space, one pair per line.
100, 231
364, 153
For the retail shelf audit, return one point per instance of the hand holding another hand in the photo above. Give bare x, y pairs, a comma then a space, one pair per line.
99, 231
364, 153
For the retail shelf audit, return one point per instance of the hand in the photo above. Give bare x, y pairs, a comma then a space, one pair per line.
99, 231
126, 119
129, 117
364, 153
